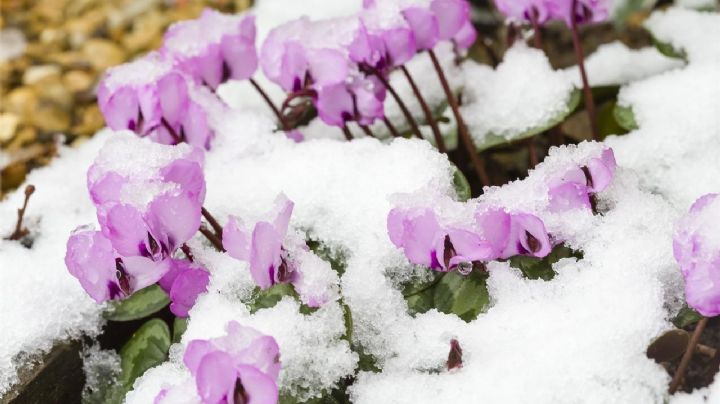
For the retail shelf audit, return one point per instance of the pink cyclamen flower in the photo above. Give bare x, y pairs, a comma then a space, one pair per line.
103, 272
151, 98
696, 247
184, 282
263, 247
495, 234
582, 11
144, 215
240, 367
523, 11
214, 47
574, 188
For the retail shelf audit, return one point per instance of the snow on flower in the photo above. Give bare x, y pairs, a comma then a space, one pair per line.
213, 48
696, 246
525, 11
145, 213
240, 367
576, 187
495, 234
152, 98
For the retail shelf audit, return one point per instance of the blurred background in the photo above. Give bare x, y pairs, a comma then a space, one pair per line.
52, 53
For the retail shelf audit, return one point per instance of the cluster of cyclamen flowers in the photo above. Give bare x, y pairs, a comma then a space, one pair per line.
241, 367
696, 246
495, 233
342, 65
136, 244
541, 11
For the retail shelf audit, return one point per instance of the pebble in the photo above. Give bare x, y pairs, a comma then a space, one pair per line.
8, 126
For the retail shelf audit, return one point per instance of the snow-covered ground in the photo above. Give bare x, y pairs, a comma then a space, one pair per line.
580, 337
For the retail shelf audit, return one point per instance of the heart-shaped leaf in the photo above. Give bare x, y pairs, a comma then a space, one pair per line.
461, 185
668, 50
625, 117
686, 316
264, 299
463, 295
147, 348
139, 305
492, 139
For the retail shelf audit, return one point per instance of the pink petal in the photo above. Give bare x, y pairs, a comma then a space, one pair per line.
424, 26
265, 254
90, 259
173, 220
186, 288
173, 96
451, 15
216, 377
259, 387
236, 240
124, 226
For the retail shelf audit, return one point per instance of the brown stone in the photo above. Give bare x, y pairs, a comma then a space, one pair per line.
38, 73
24, 136
8, 126
22, 101
147, 32
77, 81
12, 176
50, 119
102, 53
91, 120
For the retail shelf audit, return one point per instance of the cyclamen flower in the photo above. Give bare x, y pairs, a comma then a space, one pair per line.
495, 234
585, 11
575, 187
151, 98
145, 214
241, 367
696, 246
214, 48
263, 248
184, 282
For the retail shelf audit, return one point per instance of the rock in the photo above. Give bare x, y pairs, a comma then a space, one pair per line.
102, 53
12, 43
52, 119
70, 59
35, 74
25, 136
77, 81
8, 126
12, 176
147, 32
22, 101
51, 90
91, 120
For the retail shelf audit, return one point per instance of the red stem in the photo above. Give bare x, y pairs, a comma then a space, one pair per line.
587, 92
426, 110
212, 238
685, 361
270, 103
213, 223
396, 97
367, 131
477, 162
20, 232
347, 133
391, 127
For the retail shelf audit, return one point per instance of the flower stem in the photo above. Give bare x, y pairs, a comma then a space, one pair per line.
367, 131
186, 250
347, 133
21, 232
477, 162
398, 100
426, 110
685, 361
532, 151
587, 92
212, 238
271, 104
391, 127
537, 33
213, 222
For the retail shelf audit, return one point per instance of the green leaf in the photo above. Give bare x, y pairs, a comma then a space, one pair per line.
607, 123
463, 295
686, 316
264, 299
625, 117
492, 139
541, 268
421, 302
179, 327
668, 50
337, 257
139, 305
147, 348
461, 185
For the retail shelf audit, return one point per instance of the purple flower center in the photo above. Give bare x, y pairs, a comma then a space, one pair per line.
122, 277
532, 242
240, 395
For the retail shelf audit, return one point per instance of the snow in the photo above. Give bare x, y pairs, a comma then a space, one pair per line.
40, 302
697, 4
580, 337
615, 64
144, 70
694, 32
523, 93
